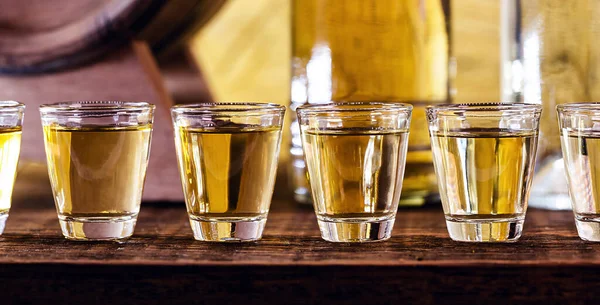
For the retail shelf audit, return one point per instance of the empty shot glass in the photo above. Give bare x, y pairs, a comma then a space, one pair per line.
11, 120
228, 156
97, 156
580, 139
355, 154
484, 156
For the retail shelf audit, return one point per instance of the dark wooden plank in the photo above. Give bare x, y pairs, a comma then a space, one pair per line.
420, 264
163, 237
295, 285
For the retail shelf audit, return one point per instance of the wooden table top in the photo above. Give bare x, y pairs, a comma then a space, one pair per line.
419, 263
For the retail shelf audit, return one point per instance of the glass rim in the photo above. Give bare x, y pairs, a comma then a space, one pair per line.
578, 107
226, 107
352, 107
11, 106
96, 107
486, 107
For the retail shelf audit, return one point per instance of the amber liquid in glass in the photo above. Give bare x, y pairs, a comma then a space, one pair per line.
356, 176
485, 176
10, 146
582, 159
228, 174
97, 173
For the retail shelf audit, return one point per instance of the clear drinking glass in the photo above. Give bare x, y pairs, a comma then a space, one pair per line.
580, 138
11, 120
228, 156
355, 154
484, 156
97, 157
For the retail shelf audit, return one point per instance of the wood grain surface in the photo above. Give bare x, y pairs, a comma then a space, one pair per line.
419, 264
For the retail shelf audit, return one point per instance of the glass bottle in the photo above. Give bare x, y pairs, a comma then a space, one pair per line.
550, 57
371, 50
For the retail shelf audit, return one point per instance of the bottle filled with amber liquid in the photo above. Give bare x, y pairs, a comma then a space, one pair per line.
371, 50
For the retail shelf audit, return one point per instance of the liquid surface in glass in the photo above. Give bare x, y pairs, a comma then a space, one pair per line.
97, 171
228, 172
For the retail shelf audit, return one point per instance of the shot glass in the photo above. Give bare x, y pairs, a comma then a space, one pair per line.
580, 140
355, 154
484, 157
228, 156
11, 120
97, 156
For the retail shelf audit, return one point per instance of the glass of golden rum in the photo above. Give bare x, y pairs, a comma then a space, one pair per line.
355, 153
484, 156
97, 156
228, 156
11, 120
580, 139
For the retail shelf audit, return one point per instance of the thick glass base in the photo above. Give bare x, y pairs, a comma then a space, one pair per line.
485, 230
588, 227
3, 218
97, 228
348, 230
227, 229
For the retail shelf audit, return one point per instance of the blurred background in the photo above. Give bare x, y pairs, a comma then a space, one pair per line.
290, 52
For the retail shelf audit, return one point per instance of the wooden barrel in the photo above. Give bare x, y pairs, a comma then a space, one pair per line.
63, 50
38, 36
